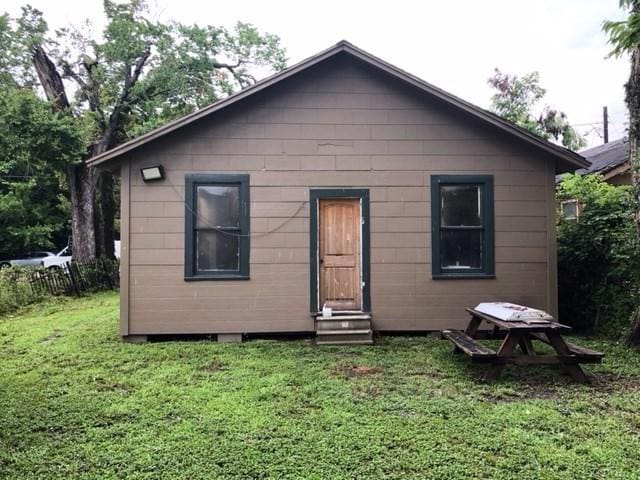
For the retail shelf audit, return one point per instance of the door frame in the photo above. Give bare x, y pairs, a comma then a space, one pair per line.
315, 195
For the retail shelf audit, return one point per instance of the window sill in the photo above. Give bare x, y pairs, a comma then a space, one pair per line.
199, 278
462, 276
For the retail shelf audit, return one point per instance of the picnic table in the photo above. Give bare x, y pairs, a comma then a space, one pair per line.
522, 334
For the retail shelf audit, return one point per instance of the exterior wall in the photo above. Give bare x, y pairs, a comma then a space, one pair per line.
339, 125
620, 179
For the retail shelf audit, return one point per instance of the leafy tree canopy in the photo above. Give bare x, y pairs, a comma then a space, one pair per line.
148, 71
598, 257
624, 35
515, 100
34, 143
135, 75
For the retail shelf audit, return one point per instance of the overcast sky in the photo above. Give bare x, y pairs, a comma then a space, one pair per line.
452, 44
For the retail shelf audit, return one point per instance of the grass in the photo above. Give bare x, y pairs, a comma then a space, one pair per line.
75, 402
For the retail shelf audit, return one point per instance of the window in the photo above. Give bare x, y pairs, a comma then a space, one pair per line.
569, 209
462, 226
217, 226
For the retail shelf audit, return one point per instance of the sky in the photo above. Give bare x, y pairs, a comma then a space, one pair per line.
454, 45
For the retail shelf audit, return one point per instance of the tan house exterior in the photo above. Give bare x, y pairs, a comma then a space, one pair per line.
321, 186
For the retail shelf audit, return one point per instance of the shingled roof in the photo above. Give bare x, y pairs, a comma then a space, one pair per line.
563, 155
606, 157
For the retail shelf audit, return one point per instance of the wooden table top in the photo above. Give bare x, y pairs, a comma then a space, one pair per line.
537, 326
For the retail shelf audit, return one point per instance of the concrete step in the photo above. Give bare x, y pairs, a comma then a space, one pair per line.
345, 342
337, 323
362, 316
340, 331
340, 337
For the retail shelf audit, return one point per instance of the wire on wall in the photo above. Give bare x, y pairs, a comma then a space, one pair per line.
224, 232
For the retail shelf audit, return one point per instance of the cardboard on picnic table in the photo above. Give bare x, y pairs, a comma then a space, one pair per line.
511, 312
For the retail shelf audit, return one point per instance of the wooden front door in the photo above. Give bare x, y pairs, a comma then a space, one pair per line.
340, 286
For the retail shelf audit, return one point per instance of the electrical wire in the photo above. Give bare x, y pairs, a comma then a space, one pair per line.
225, 232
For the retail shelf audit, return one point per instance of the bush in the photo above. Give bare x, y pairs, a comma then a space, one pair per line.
598, 257
16, 291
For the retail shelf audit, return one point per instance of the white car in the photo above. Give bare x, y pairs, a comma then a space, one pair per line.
58, 260
31, 259
64, 256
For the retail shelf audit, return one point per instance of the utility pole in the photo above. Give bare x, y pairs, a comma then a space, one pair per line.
605, 122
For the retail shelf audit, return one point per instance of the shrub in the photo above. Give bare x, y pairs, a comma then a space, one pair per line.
598, 257
15, 289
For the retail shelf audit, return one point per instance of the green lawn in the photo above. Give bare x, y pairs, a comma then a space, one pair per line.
75, 402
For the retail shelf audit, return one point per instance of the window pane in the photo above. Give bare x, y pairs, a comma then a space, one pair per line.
461, 248
570, 209
460, 205
218, 206
216, 251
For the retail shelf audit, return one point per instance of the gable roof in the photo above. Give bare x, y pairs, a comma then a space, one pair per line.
605, 157
343, 47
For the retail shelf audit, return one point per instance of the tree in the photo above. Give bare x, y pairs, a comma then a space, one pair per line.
515, 99
624, 37
136, 75
35, 143
598, 256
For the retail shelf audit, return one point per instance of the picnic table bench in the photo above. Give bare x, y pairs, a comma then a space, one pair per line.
522, 334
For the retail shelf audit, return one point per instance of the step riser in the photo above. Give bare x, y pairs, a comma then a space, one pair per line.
347, 342
327, 339
344, 317
342, 324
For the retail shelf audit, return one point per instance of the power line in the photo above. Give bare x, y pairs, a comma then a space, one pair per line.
237, 235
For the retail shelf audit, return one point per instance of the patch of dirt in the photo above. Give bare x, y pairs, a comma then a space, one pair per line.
539, 387
350, 371
366, 391
111, 419
213, 366
54, 336
529, 392
110, 385
612, 383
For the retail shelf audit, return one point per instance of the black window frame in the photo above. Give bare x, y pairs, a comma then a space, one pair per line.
487, 269
192, 182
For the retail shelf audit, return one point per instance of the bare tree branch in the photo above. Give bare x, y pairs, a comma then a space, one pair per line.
228, 66
50, 78
243, 79
68, 72
131, 79
87, 89
122, 105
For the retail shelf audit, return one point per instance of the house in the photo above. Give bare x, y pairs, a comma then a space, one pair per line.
611, 160
341, 182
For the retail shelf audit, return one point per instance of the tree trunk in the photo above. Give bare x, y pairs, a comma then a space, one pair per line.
633, 103
81, 193
104, 208
634, 338
632, 89
90, 192
104, 215
50, 79
80, 178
